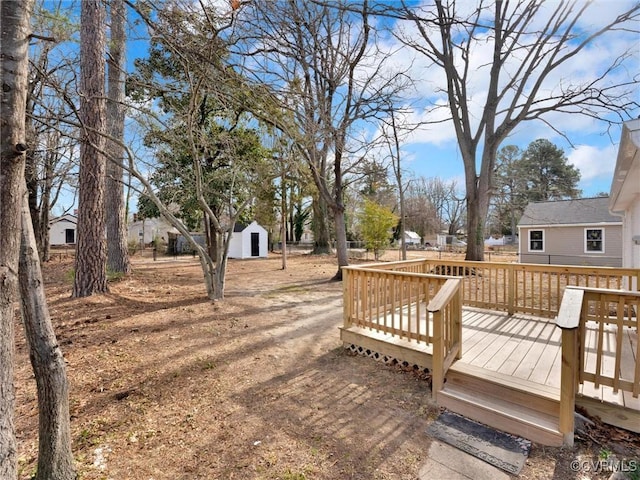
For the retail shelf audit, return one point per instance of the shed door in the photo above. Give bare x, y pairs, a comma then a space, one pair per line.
69, 235
255, 244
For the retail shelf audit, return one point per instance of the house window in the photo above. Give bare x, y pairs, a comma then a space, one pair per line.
536, 240
594, 240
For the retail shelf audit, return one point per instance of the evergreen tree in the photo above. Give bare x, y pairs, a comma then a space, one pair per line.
548, 174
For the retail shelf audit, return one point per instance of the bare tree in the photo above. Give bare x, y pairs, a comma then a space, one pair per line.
322, 61
50, 167
394, 129
117, 251
14, 53
204, 138
90, 271
527, 77
55, 458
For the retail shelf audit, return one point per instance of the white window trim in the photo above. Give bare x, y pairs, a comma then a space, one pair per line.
544, 243
594, 252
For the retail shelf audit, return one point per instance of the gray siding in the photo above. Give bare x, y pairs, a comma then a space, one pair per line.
565, 245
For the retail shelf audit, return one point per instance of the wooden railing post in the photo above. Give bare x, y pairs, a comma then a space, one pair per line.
511, 290
437, 374
347, 297
568, 319
440, 306
457, 327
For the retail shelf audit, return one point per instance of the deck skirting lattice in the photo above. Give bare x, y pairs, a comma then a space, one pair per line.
386, 359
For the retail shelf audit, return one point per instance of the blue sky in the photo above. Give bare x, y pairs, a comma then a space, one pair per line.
432, 150
591, 146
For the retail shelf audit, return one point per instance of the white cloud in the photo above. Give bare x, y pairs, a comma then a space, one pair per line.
594, 163
579, 70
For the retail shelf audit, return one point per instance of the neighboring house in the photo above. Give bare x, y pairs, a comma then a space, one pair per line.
411, 238
445, 241
248, 241
62, 230
493, 242
503, 240
624, 199
150, 228
179, 244
571, 232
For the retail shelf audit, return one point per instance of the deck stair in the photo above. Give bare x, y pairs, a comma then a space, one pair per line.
517, 406
514, 405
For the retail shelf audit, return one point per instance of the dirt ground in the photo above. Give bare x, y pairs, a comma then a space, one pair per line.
167, 385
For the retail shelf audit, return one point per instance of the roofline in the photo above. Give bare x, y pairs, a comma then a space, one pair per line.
581, 199
629, 142
73, 219
551, 225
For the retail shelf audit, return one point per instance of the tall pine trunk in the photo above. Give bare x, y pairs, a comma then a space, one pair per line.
14, 51
117, 251
55, 459
90, 275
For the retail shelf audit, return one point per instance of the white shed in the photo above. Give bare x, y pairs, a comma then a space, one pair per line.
411, 238
248, 241
62, 230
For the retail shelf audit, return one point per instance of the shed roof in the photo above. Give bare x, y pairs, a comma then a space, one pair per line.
67, 217
239, 227
568, 212
411, 234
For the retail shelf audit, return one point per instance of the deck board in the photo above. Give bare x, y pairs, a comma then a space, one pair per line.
529, 348
523, 348
527, 365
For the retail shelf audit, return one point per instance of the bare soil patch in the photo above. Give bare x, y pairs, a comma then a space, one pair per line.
167, 385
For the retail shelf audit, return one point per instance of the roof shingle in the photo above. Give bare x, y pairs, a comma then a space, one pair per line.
568, 212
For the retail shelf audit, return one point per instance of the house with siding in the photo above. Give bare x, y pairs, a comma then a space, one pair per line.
624, 198
411, 238
147, 230
571, 232
62, 230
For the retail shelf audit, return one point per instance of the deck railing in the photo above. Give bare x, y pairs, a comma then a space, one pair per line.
446, 310
421, 308
392, 302
609, 316
517, 287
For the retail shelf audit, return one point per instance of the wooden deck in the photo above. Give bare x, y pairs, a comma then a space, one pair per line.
514, 346
524, 347
529, 348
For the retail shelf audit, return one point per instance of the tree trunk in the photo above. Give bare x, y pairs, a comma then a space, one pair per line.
31, 176
283, 206
320, 227
42, 236
14, 51
477, 208
475, 229
210, 237
90, 276
401, 224
117, 251
55, 459
222, 243
341, 242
